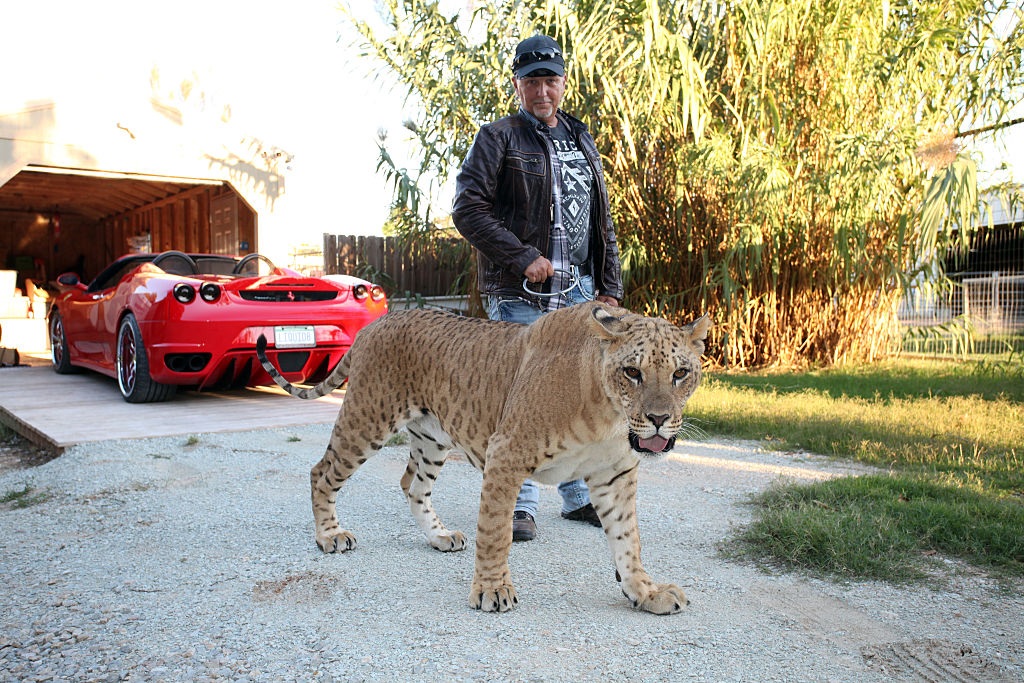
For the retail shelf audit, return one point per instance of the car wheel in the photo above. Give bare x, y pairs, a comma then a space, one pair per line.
133, 367
60, 355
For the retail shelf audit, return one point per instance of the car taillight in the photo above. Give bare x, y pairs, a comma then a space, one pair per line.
210, 292
360, 292
185, 293
376, 293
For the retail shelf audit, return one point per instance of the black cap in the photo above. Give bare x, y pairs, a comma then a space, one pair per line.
536, 53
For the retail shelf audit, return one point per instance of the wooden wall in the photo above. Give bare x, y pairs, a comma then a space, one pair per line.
30, 244
181, 222
29, 237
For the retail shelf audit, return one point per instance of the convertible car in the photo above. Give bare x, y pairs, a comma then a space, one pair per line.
156, 322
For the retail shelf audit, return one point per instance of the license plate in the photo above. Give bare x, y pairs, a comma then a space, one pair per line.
294, 337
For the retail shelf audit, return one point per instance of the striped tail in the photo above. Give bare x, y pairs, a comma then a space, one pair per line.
330, 383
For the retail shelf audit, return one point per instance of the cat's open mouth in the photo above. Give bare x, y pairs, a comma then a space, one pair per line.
651, 444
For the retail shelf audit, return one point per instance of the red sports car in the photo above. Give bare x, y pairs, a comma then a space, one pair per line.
159, 321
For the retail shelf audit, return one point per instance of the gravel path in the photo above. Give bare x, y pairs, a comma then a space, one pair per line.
175, 559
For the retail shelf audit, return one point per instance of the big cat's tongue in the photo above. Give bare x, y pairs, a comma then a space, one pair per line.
655, 444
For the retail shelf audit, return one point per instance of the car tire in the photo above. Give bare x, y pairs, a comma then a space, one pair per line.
132, 365
60, 354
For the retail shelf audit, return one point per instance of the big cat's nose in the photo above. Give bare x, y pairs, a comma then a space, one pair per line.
657, 420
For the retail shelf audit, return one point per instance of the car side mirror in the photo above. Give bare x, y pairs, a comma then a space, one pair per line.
70, 280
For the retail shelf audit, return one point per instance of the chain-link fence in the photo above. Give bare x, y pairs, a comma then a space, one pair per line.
972, 314
979, 309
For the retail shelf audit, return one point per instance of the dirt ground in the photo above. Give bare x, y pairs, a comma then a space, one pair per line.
17, 453
179, 568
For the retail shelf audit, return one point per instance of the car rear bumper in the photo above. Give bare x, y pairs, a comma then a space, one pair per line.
224, 359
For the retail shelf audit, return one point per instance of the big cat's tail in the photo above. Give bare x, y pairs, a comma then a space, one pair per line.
330, 383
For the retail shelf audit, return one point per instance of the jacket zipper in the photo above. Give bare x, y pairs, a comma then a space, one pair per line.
599, 223
551, 202
524, 159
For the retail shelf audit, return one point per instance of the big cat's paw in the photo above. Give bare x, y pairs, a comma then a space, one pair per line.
450, 542
666, 598
336, 541
500, 598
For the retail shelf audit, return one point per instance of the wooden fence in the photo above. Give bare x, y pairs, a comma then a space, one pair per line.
437, 270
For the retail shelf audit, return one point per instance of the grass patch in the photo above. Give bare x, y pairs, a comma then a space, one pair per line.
984, 347
950, 434
934, 418
24, 497
399, 439
293, 438
884, 527
192, 440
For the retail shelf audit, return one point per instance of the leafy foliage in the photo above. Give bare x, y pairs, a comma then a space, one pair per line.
789, 166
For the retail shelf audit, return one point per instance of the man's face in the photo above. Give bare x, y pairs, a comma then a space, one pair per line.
541, 95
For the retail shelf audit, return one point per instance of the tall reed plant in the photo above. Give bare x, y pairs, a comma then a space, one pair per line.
788, 166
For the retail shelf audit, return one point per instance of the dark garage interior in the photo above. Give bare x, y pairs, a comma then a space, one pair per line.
54, 220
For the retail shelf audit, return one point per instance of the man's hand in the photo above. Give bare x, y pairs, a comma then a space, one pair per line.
540, 270
610, 300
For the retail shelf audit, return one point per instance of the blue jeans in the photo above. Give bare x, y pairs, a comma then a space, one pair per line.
575, 494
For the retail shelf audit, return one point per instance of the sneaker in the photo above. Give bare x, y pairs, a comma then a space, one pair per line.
523, 526
587, 514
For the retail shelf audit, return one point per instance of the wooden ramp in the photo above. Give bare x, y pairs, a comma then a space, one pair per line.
58, 411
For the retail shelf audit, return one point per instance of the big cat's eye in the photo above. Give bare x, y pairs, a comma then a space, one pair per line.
632, 373
680, 373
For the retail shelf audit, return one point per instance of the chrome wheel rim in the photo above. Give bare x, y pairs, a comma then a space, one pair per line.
57, 341
127, 360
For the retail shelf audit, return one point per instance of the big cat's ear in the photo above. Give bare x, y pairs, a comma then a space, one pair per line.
606, 325
697, 332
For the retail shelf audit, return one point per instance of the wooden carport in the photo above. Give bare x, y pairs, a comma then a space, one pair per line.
58, 219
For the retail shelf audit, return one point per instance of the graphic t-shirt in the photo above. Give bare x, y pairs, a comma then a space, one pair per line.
577, 183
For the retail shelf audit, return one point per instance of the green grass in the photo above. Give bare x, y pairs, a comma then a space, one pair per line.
991, 347
399, 439
885, 527
937, 418
950, 435
24, 497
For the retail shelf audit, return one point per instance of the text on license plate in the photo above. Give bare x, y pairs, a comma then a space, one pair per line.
294, 336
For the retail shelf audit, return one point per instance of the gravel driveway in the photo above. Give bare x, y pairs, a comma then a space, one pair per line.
193, 559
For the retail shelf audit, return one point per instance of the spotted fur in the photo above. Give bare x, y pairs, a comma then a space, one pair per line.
587, 391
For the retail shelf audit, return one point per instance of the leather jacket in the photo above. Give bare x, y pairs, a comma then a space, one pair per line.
503, 205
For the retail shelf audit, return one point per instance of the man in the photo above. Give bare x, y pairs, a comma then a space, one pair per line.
531, 198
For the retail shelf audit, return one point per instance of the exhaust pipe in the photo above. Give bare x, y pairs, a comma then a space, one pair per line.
186, 362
